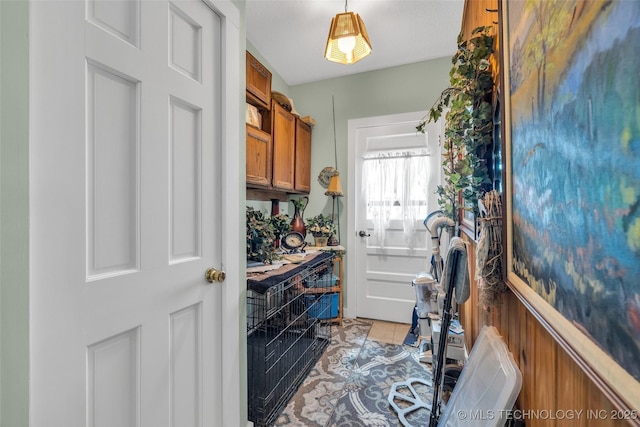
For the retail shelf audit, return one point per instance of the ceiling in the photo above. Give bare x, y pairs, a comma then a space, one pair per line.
291, 34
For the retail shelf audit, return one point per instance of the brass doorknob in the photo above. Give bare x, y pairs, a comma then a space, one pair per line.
213, 275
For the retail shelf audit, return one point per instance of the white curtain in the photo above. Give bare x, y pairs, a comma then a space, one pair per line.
396, 188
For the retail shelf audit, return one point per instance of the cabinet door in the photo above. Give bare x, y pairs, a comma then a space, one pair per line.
303, 157
284, 133
258, 82
258, 157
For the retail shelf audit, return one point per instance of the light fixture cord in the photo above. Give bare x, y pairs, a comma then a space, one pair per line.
345, 6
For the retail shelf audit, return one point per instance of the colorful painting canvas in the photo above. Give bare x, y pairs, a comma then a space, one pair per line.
574, 87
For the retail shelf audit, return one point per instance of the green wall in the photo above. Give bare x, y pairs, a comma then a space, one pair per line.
402, 89
14, 214
394, 90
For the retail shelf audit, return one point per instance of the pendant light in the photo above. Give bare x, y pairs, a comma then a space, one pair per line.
348, 41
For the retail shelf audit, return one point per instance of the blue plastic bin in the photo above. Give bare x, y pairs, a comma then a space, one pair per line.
327, 280
323, 306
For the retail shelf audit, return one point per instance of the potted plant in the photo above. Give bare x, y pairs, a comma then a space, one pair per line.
281, 226
321, 227
260, 237
469, 124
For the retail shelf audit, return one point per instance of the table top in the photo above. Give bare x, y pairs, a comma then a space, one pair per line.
261, 282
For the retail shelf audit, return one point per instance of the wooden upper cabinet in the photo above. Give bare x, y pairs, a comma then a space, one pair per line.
278, 143
283, 132
259, 155
258, 83
302, 182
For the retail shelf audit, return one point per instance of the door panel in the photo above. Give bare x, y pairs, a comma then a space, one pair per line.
186, 366
184, 42
118, 18
113, 390
185, 186
112, 173
385, 263
126, 330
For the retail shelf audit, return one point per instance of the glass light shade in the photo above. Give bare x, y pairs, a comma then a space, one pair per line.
346, 44
335, 187
347, 30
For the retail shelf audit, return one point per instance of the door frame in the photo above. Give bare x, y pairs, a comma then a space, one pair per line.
234, 360
354, 127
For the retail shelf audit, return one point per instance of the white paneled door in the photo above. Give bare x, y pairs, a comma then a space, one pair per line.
395, 173
126, 184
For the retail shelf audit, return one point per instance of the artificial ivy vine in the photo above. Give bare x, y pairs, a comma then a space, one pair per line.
469, 124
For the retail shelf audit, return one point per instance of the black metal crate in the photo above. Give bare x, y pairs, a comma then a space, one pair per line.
286, 336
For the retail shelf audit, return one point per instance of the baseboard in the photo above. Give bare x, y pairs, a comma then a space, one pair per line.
346, 313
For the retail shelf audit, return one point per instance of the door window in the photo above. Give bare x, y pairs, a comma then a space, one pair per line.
396, 191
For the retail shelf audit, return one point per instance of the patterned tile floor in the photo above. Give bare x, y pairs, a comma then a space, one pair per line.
365, 356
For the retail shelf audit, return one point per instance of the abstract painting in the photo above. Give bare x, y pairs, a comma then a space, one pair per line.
572, 89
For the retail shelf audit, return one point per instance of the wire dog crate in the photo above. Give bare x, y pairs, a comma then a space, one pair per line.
287, 334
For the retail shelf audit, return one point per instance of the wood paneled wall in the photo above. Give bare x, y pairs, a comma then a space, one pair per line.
554, 384
482, 13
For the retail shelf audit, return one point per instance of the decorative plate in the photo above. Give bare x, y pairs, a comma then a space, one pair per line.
325, 176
